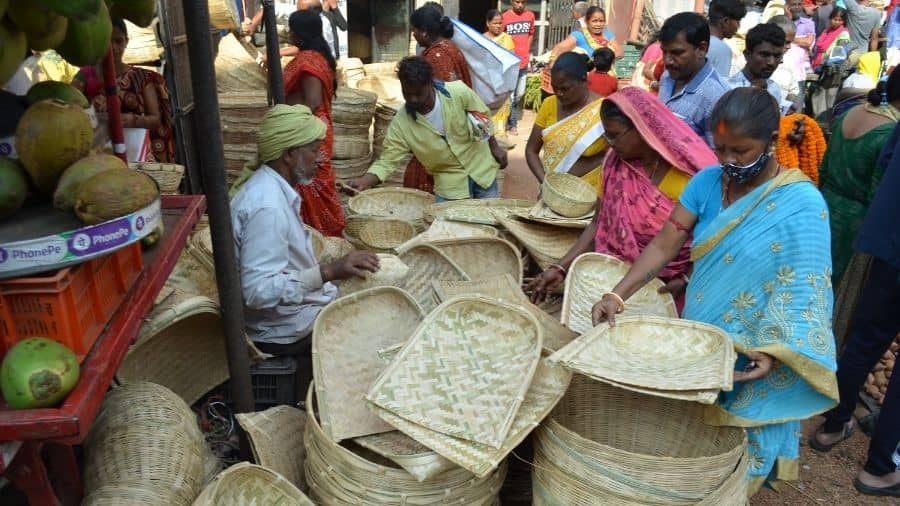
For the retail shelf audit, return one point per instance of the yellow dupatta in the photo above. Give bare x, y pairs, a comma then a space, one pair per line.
567, 140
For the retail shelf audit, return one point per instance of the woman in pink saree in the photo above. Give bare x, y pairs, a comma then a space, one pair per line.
653, 156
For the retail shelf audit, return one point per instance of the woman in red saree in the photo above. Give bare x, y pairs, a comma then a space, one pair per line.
654, 154
309, 79
433, 32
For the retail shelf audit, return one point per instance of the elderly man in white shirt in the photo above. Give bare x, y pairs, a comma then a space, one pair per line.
283, 285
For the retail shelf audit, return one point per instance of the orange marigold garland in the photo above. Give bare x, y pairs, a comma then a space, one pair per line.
800, 145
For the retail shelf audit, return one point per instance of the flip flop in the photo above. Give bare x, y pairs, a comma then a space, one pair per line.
814, 443
892, 491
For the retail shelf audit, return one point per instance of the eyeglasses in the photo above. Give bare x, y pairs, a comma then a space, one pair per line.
612, 140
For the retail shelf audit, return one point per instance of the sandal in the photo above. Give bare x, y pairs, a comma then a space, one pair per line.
846, 432
892, 491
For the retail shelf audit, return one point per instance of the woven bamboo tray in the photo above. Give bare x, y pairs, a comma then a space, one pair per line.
546, 389
223, 15
391, 272
654, 353
398, 203
465, 370
130, 494
593, 274
245, 484
506, 289
351, 148
143, 47
483, 211
182, 333
568, 195
167, 175
417, 459
482, 257
338, 476
397, 230
276, 439
345, 359
540, 213
236, 67
609, 445
354, 107
426, 264
194, 274
545, 243
441, 230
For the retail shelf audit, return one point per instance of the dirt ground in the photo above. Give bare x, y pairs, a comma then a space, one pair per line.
824, 478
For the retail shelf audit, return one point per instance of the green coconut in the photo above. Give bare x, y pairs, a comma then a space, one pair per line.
87, 40
80, 171
46, 90
139, 12
51, 136
13, 45
73, 9
44, 28
13, 187
38, 373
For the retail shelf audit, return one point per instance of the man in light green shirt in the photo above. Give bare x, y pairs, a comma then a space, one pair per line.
446, 126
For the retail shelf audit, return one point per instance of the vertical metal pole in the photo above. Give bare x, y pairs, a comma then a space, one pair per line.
542, 29
273, 54
211, 158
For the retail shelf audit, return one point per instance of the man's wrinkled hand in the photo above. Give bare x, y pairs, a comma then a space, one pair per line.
353, 264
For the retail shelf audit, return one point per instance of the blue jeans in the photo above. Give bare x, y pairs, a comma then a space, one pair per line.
477, 192
517, 95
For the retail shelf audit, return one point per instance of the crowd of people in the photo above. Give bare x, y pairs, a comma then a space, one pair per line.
689, 189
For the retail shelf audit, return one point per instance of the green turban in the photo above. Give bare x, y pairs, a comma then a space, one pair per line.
282, 128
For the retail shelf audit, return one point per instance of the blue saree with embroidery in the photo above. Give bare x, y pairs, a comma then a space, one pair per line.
762, 272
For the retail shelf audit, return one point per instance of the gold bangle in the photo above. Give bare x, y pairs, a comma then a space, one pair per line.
619, 300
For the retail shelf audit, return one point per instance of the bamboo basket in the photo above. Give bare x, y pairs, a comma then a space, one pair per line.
223, 15
465, 371
605, 445
167, 175
131, 494
351, 148
414, 457
483, 257
391, 272
387, 69
354, 107
350, 71
143, 46
478, 211
387, 87
654, 353
384, 114
398, 203
350, 169
505, 288
350, 130
568, 195
345, 359
547, 387
540, 213
442, 230
426, 264
400, 231
276, 439
593, 274
236, 67
245, 484
236, 156
545, 243
339, 476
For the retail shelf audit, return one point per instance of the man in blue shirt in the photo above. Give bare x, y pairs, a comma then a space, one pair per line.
876, 322
690, 87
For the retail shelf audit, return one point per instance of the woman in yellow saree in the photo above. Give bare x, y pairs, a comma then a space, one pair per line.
567, 128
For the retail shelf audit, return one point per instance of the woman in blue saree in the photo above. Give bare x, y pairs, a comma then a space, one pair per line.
762, 272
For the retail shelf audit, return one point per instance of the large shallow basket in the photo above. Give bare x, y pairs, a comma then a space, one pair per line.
339, 476
605, 445
568, 195
354, 107
391, 272
505, 288
129, 494
483, 211
593, 274
426, 264
276, 439
465, 371
143, 46
540, 213
245, 484
167, 175
346, 338
547, 387
398, 203
386, 234
545, 243
417, 459
483, 257
654, 353
236, 67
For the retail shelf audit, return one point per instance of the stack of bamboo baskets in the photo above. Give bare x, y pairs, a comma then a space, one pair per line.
240, 114
143, 46
351, 115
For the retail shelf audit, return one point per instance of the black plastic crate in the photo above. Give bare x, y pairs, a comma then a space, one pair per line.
274, 383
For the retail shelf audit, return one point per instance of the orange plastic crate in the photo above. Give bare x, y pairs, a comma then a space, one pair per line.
71, 306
